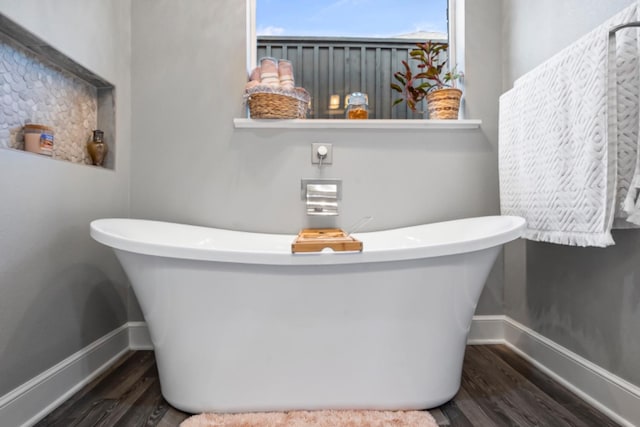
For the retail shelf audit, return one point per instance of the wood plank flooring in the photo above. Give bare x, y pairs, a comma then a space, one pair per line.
499, 388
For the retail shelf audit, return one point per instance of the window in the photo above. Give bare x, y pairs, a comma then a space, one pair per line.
342, 46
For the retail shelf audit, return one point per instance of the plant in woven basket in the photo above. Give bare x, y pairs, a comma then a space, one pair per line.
432, 76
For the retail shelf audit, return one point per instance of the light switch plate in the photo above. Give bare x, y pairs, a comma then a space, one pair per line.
314, 153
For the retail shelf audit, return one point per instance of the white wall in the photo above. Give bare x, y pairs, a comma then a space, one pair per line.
59, 290
192, 166
585, 299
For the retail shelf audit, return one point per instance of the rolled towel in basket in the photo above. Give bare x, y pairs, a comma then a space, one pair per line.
269, 72
285, 73
255, 75
251, 84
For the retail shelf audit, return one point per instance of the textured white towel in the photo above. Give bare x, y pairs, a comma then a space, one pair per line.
561, 167
627, 69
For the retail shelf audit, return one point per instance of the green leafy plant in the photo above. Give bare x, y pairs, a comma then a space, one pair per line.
432, 75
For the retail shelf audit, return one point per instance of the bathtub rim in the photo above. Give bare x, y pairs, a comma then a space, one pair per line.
512, 228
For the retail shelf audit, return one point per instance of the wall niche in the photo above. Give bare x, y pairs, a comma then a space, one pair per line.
39, 84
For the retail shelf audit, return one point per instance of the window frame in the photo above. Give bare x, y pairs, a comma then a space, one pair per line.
455, 32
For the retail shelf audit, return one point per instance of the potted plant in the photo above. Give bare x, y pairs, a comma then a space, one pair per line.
432, 82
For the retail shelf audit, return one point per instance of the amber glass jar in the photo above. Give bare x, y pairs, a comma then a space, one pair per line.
357, 107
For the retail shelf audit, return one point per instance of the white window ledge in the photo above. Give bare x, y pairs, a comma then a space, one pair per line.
355, 124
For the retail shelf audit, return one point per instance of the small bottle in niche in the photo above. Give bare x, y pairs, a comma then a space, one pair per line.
97, 148
357, 107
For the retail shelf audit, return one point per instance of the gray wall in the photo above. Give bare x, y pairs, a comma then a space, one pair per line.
192, 166
59, 290
585, 299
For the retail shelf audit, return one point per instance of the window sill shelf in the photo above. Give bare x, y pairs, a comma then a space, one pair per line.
356, 124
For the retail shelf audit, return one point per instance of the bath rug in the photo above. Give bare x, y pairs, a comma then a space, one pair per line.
315, 419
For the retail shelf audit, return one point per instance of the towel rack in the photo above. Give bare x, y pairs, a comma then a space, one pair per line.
615, 29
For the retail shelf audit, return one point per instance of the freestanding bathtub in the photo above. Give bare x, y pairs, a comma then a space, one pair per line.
238, 323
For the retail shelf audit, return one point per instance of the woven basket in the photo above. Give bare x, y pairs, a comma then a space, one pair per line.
278, 104
444, 103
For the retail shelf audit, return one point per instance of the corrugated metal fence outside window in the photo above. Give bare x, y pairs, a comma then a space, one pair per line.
327, 66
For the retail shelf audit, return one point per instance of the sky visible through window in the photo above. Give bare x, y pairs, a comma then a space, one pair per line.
350, 18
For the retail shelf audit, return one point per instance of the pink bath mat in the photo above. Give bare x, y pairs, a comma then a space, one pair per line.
315, 419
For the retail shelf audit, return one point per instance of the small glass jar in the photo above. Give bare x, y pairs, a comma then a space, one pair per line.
357, 107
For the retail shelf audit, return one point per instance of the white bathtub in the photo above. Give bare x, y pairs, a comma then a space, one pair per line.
238, 323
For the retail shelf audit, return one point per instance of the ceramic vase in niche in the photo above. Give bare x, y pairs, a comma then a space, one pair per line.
97, 148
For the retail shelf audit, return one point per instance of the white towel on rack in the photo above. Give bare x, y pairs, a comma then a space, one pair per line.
627, 69
559, 134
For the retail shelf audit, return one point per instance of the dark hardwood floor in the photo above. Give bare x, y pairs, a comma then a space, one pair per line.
499, 388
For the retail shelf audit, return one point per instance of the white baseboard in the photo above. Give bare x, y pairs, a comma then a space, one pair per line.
486, 330
33, 400
139, 338
609, 393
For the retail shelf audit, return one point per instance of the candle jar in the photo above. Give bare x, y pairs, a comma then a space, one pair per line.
38, 139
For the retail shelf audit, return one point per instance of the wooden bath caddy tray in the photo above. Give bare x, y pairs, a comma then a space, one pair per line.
316, 239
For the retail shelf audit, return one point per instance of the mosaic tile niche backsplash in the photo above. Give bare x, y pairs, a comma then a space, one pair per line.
32, 90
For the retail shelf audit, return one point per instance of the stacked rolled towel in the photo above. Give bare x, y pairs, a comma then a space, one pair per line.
569, 158
254, 79
285, 74
269, 72
271, 92
272, 73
